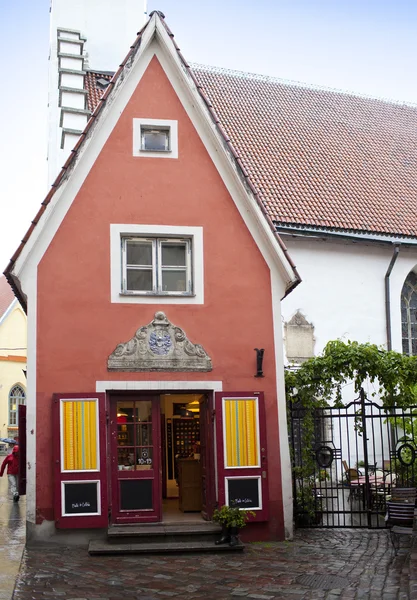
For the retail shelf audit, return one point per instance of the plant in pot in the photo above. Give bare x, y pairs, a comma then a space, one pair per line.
231, 519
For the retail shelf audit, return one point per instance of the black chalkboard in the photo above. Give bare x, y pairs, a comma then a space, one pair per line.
81, 498
243, 493
136, 494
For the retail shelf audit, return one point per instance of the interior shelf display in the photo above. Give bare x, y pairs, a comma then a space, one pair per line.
186, 437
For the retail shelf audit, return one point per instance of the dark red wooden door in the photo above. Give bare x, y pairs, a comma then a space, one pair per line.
22, 450
135, 429
241, 452
206, 456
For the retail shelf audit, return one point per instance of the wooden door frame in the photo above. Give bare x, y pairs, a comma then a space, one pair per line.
113, 396
210, 395
211, 458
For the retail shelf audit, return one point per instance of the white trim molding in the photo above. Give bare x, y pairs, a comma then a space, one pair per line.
195, 234
162, 386
170, 126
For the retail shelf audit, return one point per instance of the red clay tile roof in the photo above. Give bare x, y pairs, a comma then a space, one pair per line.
95, 92
6, 295
318, 157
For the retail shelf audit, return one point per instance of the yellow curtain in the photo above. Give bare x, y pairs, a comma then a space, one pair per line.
241, 428
80, 435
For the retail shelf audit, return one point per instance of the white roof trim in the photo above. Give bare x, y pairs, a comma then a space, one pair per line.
8, 310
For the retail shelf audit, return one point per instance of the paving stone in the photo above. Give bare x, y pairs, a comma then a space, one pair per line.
265, 571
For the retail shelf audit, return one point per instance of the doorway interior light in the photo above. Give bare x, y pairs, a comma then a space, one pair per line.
194, 406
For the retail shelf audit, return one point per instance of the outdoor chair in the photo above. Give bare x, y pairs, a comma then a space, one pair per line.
354, 489
382, 492
400, 519
404, 495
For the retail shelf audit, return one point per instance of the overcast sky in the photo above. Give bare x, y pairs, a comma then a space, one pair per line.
364, 46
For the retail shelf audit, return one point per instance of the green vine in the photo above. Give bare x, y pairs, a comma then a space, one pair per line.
318, 383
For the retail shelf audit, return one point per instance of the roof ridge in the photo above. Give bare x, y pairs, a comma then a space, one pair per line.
299, 84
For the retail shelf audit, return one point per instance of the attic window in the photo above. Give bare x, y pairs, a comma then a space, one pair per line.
155, 139
102, 83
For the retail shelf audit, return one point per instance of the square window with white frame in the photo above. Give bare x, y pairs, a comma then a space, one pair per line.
157, 266
155, 138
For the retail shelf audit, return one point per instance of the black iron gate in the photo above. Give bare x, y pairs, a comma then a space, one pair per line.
355, 458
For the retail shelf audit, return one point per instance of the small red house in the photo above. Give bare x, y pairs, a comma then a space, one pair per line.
155, 369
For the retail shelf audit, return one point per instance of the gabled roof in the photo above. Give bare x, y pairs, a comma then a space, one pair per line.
318, 157
321, 157
6, 296
255, 205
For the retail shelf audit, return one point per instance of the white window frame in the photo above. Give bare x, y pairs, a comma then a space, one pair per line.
15, 412
258, 443
140, 124
161, 232
78, 481
157, 267
226, 490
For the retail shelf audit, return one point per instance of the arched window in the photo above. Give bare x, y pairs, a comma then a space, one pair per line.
409, 314
17, 396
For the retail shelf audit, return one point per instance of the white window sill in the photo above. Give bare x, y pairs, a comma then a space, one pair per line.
157, 295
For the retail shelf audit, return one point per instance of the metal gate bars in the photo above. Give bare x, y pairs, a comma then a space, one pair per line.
347, 461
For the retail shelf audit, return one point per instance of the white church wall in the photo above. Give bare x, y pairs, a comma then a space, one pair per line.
342, 293
343, 296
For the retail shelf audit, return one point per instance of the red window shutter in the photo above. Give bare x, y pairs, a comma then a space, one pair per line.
81, 498
242, 452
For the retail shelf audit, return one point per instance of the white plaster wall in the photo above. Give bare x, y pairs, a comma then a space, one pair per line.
343, 290
343, 295
73, 100
74, 121
72, 80
76, 64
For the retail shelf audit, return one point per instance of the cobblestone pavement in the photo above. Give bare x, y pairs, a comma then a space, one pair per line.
362, 560
12, 537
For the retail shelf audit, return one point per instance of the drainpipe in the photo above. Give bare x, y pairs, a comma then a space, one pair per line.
388, 296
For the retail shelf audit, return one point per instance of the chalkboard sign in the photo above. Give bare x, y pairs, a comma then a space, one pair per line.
81, 497
136, 494
243, 493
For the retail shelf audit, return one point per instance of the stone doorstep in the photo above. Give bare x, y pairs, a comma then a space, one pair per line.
162, 529
97, 547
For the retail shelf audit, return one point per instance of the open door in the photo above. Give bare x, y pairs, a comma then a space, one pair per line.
206, 456
22, 449
80, 461
135, 430
242, 452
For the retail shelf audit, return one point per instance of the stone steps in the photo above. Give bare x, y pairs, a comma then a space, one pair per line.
99, 548
162, 538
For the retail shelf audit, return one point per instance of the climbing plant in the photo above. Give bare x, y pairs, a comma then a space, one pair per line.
319, 380
318, 383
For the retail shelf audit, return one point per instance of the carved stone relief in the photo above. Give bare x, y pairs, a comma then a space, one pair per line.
159, 346
299, 338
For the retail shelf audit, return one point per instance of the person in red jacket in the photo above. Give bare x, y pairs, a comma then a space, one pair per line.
12, 463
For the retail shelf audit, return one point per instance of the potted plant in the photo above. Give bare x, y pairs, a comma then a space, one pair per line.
231, 519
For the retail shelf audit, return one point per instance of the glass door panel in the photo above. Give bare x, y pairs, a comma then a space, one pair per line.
136, 459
